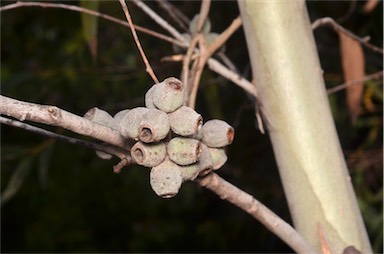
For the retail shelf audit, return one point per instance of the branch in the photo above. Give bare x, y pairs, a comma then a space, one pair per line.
113, 150
207, 53
246, 202
330, 22
213, 64
90, 12
335, 89
55, 116
177, 15
203, 14
147, 65
159, 20
219, 68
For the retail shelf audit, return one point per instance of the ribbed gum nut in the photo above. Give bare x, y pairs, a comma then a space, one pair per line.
185, 121
183, 151
101, 117
168, 95
119, 116
217, 133
149, 97
219, 157
154, 126
129, 125
166, 179
148, 155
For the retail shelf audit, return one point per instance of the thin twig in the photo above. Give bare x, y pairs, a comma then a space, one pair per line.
113, 150
329, 21
213, 64
256, 209
223, 57
185, 76
337, 88
203, 14
52, 115
198, 71
224, 36
208, 52
177, 15
90, 12
348, 14
164, 24
219, 68
146, 62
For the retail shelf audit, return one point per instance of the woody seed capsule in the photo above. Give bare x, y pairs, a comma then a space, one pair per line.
149, 97
119, 116
148, 155
202, 167
129, 125
168, 95
166, 179
217, 133
219, 157
154, 126
189, 172
205, 162
183, 151
100, 116
185, 121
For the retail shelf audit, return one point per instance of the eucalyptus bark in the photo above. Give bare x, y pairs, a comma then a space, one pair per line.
294, 101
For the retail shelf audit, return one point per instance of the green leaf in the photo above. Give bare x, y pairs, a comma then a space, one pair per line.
16, 180
90, 25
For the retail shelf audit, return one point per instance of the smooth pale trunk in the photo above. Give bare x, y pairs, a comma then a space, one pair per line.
292, 93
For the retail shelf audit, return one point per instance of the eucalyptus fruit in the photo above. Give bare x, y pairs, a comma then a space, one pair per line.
171, 138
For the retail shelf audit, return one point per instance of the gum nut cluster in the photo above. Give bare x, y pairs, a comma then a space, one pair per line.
171, 139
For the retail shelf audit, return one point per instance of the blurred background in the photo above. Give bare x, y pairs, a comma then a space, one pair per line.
59, 197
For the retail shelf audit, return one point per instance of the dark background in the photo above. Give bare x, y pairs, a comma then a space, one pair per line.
69, 200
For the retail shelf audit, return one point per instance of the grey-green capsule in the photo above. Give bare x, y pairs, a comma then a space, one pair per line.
168, 95
202, 167
217, 133
149, 97
154, 126
101, 117
166, 179
185, 121
219, 157
129, 125
119, 116
148, 155
183, 151
205, 162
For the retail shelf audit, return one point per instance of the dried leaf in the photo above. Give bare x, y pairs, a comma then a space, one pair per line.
352, 58
370, 5
90, 25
